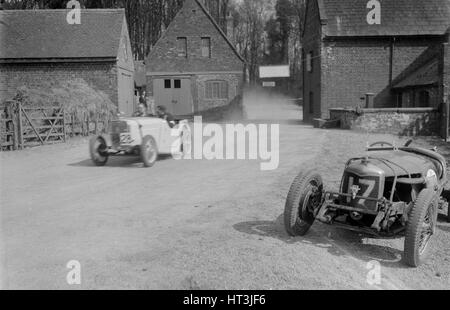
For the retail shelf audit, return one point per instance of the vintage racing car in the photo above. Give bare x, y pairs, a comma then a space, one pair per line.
391, 191
146, 137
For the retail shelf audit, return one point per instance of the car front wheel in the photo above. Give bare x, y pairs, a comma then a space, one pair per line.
98, 151
149, 151
305, 195
420, 227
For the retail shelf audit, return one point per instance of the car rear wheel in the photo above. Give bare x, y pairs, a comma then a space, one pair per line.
420, 227
149, 151
98, 151
305, 195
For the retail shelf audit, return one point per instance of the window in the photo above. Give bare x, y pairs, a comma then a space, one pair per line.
182, 46
206, 47
311, 102
424, 99
399, 99
309, 62
216, 90
177, 83
167, 84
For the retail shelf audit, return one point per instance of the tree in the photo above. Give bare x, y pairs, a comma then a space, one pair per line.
250, 34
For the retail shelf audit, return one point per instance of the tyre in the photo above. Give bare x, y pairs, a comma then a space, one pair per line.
420, 227
448, 214
149, 151
446, 196
304, 197
98, 151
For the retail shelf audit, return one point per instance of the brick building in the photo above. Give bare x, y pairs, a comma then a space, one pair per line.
40, 46
194, 67
401, 62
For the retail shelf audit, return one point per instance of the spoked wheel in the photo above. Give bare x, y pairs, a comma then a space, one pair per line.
98, 151
420, 227
304, 197
149, 151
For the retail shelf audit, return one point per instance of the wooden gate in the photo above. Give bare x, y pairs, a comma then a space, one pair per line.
8, 133
41, 125
445, 119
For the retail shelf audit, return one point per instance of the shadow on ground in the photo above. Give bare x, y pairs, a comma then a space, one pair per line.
119, 162
338, 242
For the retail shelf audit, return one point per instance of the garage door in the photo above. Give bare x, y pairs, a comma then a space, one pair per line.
125, 89
174, 94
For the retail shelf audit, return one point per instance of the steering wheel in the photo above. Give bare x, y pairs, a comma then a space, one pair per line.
382, 144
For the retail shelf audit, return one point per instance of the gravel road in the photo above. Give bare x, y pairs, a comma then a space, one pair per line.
190, 224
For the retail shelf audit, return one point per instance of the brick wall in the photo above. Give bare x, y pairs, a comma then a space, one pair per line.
311, 80
193, 24
234, 89
352, 68
102, 76
405, 122
198, 84
446, 73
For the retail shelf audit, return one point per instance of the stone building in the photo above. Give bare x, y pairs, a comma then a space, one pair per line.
401, 62
194, 67
40, 47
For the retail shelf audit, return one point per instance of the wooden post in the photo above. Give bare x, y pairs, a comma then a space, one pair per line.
64, 124
72, 120
13, 117
96, 124
19, 125
83, 124
87, 124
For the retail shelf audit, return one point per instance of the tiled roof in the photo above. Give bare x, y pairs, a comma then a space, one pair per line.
398, 17
45, 34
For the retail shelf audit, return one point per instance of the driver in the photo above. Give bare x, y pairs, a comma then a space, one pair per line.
161, 112
141, 111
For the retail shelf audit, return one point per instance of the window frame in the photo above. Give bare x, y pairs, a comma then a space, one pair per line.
309, 62
182, 53
217, 90
209, 47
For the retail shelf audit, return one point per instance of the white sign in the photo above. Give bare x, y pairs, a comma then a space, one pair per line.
268, 84
274, 72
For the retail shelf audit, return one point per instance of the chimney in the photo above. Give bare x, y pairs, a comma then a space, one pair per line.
230, 27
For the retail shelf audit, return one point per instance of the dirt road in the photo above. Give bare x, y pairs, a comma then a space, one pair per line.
192, 224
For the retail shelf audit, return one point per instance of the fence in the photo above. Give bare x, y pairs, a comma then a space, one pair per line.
25, 126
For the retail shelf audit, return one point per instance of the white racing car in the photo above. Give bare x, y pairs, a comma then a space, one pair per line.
146, 137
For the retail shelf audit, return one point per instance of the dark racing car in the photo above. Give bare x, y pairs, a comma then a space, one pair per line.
389, 192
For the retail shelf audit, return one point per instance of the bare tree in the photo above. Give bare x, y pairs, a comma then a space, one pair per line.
250, 34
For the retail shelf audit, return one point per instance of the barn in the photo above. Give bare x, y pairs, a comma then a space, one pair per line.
401, 62
40, 46
194, 67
